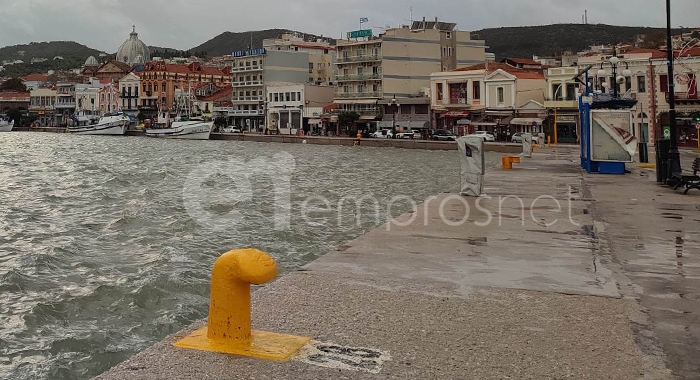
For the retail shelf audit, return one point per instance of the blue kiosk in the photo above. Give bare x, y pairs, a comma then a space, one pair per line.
607, 143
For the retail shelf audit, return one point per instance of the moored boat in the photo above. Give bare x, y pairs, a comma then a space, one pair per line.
187, 124
6, 124
110, 124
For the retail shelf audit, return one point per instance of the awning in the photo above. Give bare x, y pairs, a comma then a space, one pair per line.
483, 124
314, 121
459, 114
368, 117
356, 101
526, 121
464, 122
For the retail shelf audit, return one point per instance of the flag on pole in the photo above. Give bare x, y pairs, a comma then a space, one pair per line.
364, 20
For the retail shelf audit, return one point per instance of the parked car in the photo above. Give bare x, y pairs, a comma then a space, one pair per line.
486, 135
407, 135
231, 129
383, 134
444, 135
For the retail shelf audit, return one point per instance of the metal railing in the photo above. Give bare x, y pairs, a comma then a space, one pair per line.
247, 83
358, 77
245, 68
247, 99
358, 94
234, 112
359, 58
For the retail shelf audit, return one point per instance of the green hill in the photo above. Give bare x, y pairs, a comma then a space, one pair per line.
228, 42
547, 40
47, 50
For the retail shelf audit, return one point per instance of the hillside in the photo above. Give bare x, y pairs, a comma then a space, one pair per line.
547, 40
47, 50
228, 42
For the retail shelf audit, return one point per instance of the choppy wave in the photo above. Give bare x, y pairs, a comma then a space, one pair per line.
100, 259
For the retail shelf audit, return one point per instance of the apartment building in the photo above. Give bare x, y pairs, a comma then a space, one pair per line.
160, 81
252, 71
108, 98
321, 54
397, 64
65, 105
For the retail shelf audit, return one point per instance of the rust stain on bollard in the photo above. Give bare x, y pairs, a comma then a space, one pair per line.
228, 329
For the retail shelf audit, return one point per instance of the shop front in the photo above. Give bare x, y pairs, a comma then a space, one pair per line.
567, 128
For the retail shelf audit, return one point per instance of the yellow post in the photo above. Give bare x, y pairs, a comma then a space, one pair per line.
228, 330
556, 127
549, 141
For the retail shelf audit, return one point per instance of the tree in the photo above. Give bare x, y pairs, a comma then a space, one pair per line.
220, 121
16, 115
141, 116
347, 119
14, 84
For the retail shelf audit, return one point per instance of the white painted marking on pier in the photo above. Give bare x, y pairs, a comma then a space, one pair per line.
331, 355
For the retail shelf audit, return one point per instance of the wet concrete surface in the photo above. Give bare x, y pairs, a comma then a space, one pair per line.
576, 276
653, 234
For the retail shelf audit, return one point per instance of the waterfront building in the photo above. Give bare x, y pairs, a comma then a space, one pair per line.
221, 99
321, 54
41, 106
495, 97
13, 100
108, 99
160, 81
397, 64
37, 81
110, 71
65, 105
294, 107
133, 51
129, 86
562, 103
252, 71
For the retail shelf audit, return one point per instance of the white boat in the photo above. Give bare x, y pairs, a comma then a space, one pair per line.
6, 124
186, 125
109, 124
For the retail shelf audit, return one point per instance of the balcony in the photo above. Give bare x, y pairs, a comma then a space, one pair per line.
247, 99
684, 98
349, 95
250, 83
460, 103
65, 93
560, 103
234, 112
40, 109
64, 105
246, 68
358, 77
359, 58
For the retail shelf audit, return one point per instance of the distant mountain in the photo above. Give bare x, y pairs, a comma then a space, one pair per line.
47, 50
228, 42
547, 40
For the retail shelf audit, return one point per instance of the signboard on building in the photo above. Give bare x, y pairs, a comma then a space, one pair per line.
360, 33
611, 139
248, 52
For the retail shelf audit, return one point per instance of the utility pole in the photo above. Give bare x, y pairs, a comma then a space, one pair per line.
674, 156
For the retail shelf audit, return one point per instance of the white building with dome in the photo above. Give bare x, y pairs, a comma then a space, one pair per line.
133, 51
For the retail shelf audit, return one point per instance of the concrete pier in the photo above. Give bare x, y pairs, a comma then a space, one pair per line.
556, 274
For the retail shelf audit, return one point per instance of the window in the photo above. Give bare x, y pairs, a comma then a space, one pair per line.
438, 91
346, 89
641, 83
163, 87
287, 97
269, 97
405, 109
449, 51
294, 96
422, 109
360, 88
476, 90
444, 51
663, 83
448, 36
311, 67
628, 83
500, 95
359, 71
320, 66
299, 96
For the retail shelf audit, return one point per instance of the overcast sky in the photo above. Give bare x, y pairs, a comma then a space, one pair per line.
183, 24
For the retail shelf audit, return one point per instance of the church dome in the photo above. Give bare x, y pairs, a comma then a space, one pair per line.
133, 50
91, 62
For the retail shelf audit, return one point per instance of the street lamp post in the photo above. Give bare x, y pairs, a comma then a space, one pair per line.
674, 156
394, 105
556, 125
614, 62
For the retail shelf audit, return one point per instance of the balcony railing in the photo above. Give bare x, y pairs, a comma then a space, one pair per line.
247, 99
358, 77
64, 105
362, 112
41, 108
234, 112
247, 83
684, 97
245, 68
359, 58
65, 93
358, 94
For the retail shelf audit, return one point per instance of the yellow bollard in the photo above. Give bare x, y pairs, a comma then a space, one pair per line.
228, 330
549, 141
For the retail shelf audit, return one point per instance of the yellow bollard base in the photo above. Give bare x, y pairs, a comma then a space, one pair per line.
263, 345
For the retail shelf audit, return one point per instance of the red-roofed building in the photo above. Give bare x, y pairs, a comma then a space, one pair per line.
489, 96
11, 100
37, 81
220, 98
160, 80
523, 63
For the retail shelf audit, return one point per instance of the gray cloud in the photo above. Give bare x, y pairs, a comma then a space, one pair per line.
104, 24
